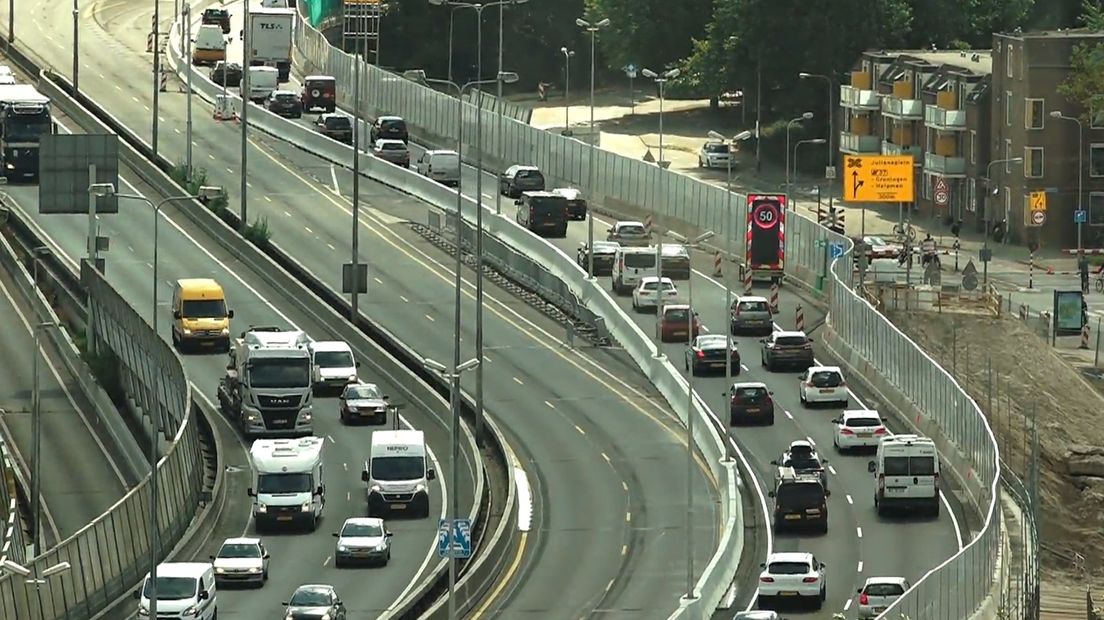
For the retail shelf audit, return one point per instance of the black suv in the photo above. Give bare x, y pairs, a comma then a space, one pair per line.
389, 128
799, 500
218, 17
284, 103
335, 126
226, 73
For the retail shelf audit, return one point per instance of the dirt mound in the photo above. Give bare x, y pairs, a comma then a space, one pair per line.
1028, 379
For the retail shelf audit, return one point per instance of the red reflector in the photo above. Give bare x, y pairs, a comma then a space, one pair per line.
767, 579
810, 579
864, 599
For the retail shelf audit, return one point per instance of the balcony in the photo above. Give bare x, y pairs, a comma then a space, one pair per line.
856, 144
902, 109
944, 120
889, 148
858, 99
944, 165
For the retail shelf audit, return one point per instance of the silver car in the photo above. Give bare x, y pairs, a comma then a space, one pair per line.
363, 539
628, 233
241, 560
878, 593
314, 601
394, 151
759, 614
751, 315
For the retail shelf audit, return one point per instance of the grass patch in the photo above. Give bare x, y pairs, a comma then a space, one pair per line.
257, 232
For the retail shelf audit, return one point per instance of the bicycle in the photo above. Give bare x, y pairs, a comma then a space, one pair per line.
904, 231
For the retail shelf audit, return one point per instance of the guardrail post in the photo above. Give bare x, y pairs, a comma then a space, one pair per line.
799, 319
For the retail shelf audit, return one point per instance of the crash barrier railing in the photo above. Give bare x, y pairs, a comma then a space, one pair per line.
1021, 597
718, 573
11, 531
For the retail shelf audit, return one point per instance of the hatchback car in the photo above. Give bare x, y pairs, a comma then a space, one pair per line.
217, 17
823, 384
604, 255
226, 73
389, 128
859, 429
714, 155
675, 321
576, 203
363, 402
335, 126
787, 349
652, 293
792, 576
519, 179
241, 560
751, 315
394, 151
711, 352
363, 539
750, 402
878, 593
628, 232
284, 103
314, 601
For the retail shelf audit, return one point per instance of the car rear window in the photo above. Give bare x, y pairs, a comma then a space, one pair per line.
716, 148
895, 466
676, 316
884, 589
393, 146
395, 125
863, 422
753, 306
528, 174
750, 395
787, 568
826, 379
790, 341
286, 98
631, 230
803, 462
640, 261
802, 494
921, 466
338, 122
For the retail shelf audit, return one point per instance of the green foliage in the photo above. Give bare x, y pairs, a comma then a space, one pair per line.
649, 33
257, 232
1092, 15
1085, 84
199, 179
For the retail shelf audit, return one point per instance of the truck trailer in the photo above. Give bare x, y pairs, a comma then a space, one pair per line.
270, 36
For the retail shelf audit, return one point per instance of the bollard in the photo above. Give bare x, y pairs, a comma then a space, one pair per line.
774, 297
1084, 337
717, 265
164, 81
747, 281
1023, 312
1031, 270
571, 335
799, 320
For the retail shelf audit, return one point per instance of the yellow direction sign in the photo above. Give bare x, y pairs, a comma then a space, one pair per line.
1038, 201
877, 178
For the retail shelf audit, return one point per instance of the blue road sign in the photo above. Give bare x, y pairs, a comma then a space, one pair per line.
1080, 216
443, 538
835, 250
458, 538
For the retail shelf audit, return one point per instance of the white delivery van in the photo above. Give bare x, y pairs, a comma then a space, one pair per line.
397, 473
184, 590
289, 487
442, 166
629, 265
333, 365
209, 46
262, 81
906, 474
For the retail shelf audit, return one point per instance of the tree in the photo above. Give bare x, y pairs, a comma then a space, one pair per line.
649, 33
1085, 85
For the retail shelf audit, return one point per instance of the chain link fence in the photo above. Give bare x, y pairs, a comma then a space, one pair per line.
111, 554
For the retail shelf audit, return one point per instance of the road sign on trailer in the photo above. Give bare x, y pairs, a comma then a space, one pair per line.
878, 178
942, 192
64, 161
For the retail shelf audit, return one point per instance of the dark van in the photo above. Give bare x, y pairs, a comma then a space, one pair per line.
799, 500
544, 213
319, 92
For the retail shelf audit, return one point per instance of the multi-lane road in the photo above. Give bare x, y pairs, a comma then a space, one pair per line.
605, 459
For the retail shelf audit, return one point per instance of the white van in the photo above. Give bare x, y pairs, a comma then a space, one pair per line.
629, 265
209, 46
262, 81
333, 365
184, 590
442, 166
289, 488
906, 474
397, 473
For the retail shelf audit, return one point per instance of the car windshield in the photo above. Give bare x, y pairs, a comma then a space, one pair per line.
172, 588
790, 341
398, 467
716, 148
310, 598
362, 530
862, 422
640, 260
239, 550
363, 392
750, 394
787, 568
753, 306
334, 359
884, 589
279, 373
274, 484
631, 230
203, 309
679, 315
338, 122
27, 126
826, 379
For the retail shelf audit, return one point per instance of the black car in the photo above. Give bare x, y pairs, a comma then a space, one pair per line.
576, 204
750, 402
787, 349
218, 17
799, 500
226, 73
284, 103
389, 128
604, 253
519, 179
335, 126
709, 353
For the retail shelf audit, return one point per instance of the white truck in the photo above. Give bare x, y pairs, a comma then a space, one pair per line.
397, 473
288, 488
270, 36
24, 119
267, 386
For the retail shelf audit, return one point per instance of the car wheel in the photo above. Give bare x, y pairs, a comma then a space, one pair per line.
700, 164
845, 403
823, 530
338, 563
824, 591
835, 444
770, 420
935, 507
804, 401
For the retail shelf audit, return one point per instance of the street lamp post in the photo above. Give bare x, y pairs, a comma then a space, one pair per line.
661, 79
187, 18
247, 57
33, 577
691, 244
804, 117
985, 239
205, 192
593, 29
354, 299
1080, 167
567, 54
797, 146
36, 424
156, 66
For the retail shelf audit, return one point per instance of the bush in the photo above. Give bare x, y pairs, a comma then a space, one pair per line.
199, 179
258, 232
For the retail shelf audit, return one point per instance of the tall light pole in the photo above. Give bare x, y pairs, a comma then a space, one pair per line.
992, 192
691, 244
36, 416
593, 29
205, 192
247, 57
661, 79
156, 66
567, 54
804, 117
831, 124
1080, 167
354, 301
797, 146
187, 17
32, 577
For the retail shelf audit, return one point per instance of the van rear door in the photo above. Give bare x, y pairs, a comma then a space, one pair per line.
637, 265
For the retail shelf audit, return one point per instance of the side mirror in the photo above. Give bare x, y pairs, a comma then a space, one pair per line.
871, 467
431, 474
364, 476
230, 314
609, 230
320, 491
770, 493
827, 493
336, 535
774, 462
836, 420
823, 461
356, 365
823, 565
885, 419
265, 556
204, 595
770, 393
137, 594
762, 565
211, 557
763, 340
250, 492
859, 591
810, 339
386, 397
389, 534
176, 314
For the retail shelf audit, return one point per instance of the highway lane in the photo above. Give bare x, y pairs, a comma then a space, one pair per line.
645, 471
80, 478
297, 558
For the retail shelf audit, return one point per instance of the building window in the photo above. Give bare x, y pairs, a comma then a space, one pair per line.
1007, 155
1096, 160
1033, 162
1008, 107
1096, 120
1034, 113
1096, 208
1009, 65
973, 146
971, 196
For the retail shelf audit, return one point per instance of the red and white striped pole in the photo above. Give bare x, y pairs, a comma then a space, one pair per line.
799, 320
747, 282
717, 265
774, 297
1084, 336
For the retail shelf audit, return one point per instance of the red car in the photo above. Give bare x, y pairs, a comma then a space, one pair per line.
877, 247
675, 323
750, 402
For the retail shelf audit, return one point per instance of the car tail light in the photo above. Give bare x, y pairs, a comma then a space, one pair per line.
701, 354
810, 580
846, 431
864, 599
767, 579
881, 430
621, 263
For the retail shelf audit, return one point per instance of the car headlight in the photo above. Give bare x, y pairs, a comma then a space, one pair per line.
375, 488
326, 616
305, 507
351, 409
262, 508
419, 488
187, 332
191, 611
381, 546
220, 570
225, 331
352, 379
342, 548
143, 610
254, 570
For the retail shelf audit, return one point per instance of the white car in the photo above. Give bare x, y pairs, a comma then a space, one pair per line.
823, 384
628, 232
333, 365
792, 576
714, 155
759, 614
363, 539
878, 593
241, 560
652, 292
859, 429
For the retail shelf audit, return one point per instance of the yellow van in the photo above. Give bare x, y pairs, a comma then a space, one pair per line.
209, 45
199, 314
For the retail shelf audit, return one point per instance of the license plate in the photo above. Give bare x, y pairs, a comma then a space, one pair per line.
398, 506
755, 410
284, 518
721, 364
793, 517
865, 435
787, 593
879, 610
826, 391
280, 421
